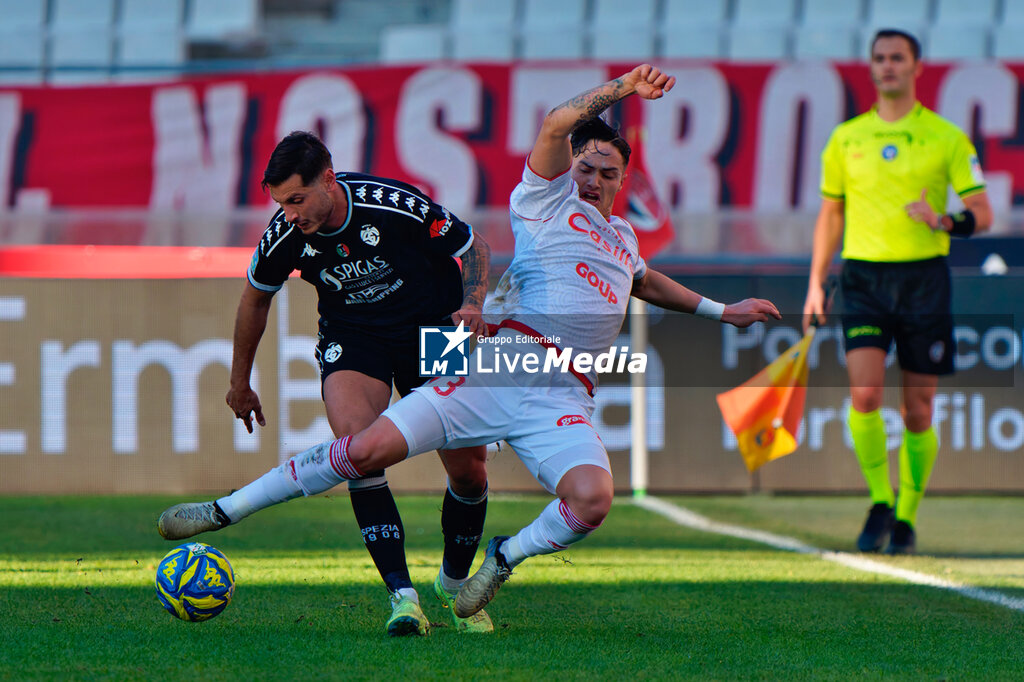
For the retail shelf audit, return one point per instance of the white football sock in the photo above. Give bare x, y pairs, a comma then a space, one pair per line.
555, 529
312, 471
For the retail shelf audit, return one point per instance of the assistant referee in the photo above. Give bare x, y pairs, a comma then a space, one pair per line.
885, 178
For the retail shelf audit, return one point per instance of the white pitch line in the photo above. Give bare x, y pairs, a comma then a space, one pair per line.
685, 517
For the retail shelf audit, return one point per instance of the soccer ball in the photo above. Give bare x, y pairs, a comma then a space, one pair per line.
194, 581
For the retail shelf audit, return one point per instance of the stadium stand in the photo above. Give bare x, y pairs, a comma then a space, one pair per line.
97, 40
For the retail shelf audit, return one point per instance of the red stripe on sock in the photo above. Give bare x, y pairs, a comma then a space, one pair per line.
340, 461
572, 520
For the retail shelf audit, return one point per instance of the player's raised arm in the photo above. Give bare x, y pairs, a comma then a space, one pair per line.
551, 154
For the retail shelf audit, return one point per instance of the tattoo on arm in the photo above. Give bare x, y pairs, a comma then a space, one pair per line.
591, 103
475, 266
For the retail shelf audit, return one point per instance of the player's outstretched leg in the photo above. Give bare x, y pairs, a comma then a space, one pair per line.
312, 471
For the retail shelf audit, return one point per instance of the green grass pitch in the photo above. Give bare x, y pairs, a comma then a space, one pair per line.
642, 598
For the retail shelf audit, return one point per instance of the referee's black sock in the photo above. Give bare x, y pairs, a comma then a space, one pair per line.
383, 534
462, 523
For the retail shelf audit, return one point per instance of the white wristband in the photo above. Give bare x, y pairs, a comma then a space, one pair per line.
710, 309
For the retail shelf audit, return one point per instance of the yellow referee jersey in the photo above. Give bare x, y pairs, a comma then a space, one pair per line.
877, 167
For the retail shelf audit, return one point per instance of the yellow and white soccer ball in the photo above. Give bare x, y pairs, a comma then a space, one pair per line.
194, 581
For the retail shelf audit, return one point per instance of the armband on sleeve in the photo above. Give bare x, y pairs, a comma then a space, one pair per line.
963, 224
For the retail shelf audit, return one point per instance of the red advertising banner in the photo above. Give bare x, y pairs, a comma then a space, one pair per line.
744, 136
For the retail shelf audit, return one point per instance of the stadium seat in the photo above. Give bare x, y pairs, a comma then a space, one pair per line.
628, 43
966, 12
825, 13
75, 15
889, 14
825, 42
152, 14
757, 43
764, 13
218, 20
679, 13
551, 44
413, 43
611, 14
948, 42
22, 55
691, 42
552, 30
81, 40
151, 48
21, 15
474, 13
1013, 13
548, 15
482, 43
692, 29
1006, 42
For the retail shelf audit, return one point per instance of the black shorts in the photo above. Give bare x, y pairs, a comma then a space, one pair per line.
391, 354
906, 302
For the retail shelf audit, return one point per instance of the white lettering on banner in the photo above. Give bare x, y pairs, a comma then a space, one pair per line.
617, 436
10, 122
682, 156
993, 89
12, 309
778, 174
429, 153
184, 366
291, 350
192, 170
336, 103
56, 365
536, 91
998, 347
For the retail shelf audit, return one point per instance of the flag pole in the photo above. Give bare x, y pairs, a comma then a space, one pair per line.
638, 468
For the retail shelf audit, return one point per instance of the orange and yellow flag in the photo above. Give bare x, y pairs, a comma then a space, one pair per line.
765, 411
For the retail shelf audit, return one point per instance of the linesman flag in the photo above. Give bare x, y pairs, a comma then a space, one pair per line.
765, 411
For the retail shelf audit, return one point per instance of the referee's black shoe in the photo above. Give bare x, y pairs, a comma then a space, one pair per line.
877, 528
903, 540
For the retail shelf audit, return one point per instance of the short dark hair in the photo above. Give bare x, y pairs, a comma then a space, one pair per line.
299, 152
597, 129
915, 44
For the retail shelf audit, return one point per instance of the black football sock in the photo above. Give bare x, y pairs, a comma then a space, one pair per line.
383, 534
462, 523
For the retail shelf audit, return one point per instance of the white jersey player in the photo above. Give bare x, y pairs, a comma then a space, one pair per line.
575, 267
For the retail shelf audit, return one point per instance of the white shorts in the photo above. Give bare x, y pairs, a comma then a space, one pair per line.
548, 426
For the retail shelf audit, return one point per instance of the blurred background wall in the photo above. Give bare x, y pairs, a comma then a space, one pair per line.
132, 127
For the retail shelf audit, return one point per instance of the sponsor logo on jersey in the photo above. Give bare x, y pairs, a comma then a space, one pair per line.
581, 223
370, 235
332, 353
570, 419
603, 288
308, 250
343, 250
976, 173
889, 152
440, 227
336, 277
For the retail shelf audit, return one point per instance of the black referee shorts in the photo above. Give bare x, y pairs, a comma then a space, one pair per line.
906, 302
391, 354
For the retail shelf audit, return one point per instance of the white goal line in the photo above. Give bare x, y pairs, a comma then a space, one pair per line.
685, 517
